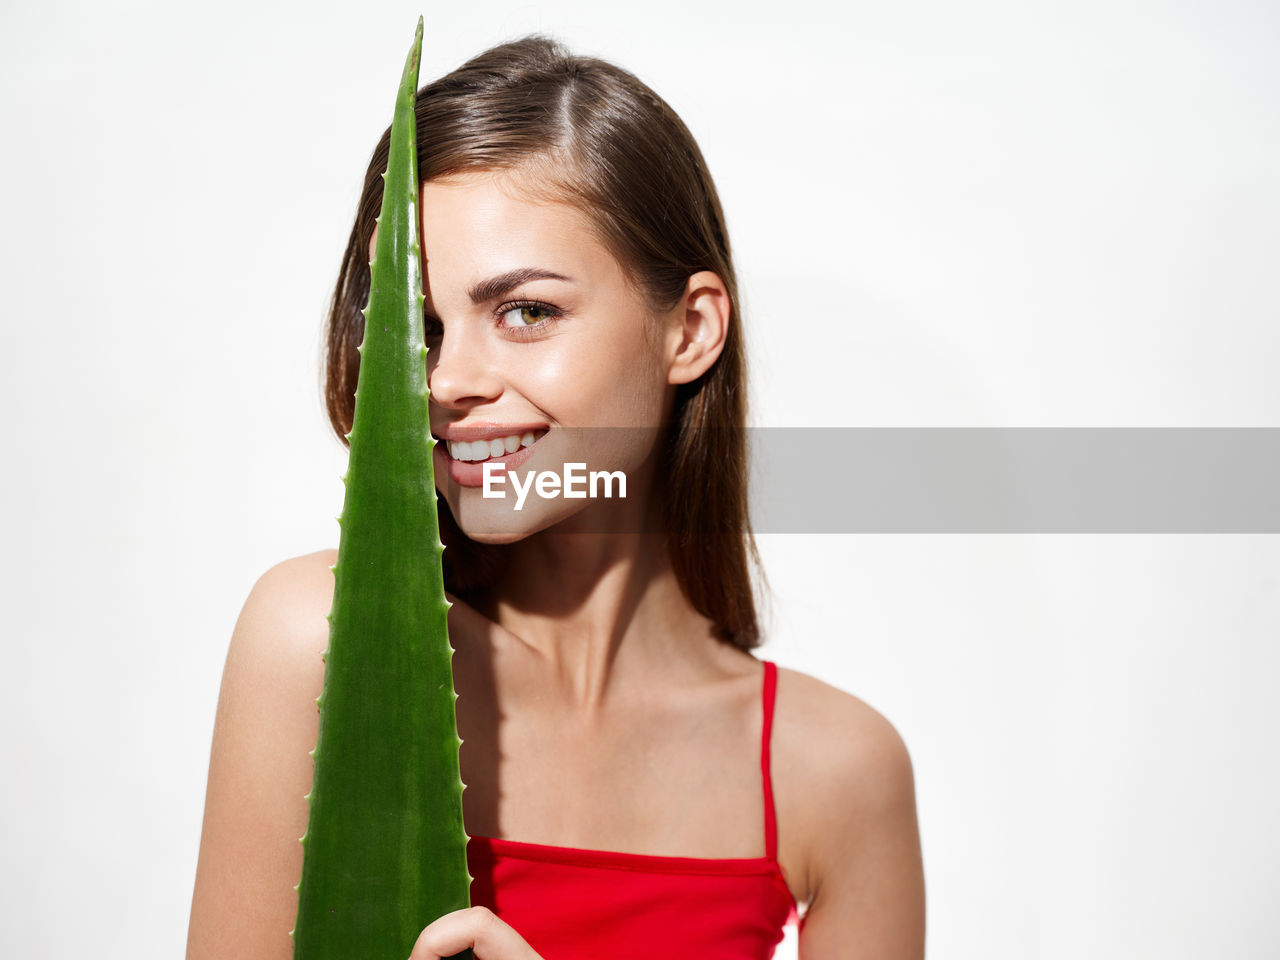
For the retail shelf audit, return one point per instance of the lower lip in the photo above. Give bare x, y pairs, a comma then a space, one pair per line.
468, 474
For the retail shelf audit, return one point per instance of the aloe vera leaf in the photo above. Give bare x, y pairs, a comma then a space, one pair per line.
385, 847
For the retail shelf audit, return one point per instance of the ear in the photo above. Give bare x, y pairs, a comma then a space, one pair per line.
698, 327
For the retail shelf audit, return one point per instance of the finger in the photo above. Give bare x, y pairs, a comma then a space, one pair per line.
476, 927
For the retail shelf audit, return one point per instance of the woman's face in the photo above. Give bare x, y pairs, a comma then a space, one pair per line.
533, 334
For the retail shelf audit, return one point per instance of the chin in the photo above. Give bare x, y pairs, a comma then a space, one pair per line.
496, 522
494, 538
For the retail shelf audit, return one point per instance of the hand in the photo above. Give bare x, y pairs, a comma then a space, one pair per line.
479, 928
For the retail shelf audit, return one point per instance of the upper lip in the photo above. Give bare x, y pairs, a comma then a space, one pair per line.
484, 430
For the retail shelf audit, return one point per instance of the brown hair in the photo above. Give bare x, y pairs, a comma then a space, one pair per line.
591, 134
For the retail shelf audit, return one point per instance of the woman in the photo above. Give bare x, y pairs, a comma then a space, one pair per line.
638, 783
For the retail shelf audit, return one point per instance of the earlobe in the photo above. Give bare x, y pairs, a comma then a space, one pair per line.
700, 326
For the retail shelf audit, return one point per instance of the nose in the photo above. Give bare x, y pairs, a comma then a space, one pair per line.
460, 372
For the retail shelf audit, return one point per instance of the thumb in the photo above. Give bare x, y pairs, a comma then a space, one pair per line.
489, 937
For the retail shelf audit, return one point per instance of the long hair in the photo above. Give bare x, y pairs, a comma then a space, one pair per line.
591, 134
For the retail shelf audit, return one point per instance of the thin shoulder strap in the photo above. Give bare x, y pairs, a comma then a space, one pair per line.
770, 820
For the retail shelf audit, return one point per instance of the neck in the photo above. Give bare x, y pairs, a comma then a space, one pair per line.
589, 603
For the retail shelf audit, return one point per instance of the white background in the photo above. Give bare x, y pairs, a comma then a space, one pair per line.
984, 214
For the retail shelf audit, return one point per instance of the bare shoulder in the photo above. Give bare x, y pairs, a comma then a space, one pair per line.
845, 793
836, 736
282, 632
260, 766
290, 595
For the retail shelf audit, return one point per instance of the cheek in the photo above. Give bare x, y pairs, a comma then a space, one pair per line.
625, 376
606, 381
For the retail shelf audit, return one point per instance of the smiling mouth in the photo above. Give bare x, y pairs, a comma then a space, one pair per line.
478, 451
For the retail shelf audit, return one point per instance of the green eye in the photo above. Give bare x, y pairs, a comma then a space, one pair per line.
529, 316
533, 310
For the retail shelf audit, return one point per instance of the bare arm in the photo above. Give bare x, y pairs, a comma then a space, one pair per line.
260, 768
868, 898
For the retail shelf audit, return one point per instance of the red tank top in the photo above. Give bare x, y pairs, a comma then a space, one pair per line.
573, 904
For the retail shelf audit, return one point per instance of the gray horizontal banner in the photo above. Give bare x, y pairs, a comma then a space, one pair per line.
1015, 480
906, 480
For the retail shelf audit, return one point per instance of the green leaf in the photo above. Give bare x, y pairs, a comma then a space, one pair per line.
385, 847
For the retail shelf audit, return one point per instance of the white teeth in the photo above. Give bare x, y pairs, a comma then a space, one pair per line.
484, 449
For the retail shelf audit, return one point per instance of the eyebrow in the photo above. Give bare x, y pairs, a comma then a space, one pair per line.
495, 287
